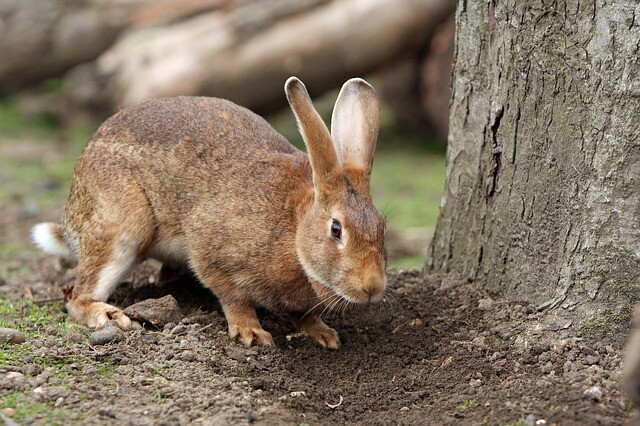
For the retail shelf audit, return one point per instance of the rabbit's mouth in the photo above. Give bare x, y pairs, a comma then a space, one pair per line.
358, 294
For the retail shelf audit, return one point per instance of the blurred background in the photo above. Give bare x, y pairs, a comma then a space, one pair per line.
66, 65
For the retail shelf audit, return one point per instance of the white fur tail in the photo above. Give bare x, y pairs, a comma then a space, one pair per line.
48, 237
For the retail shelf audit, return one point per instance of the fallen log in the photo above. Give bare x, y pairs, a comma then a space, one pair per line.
44, 38
219, 54
418, 87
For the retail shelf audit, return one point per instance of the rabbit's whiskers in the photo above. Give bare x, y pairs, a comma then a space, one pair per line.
317, 304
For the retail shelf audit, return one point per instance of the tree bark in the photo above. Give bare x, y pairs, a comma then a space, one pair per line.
542, 198
219, 55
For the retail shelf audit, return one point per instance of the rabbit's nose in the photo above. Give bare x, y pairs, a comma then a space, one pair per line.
374, 285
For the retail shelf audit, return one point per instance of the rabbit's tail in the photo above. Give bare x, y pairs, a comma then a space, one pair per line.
49, 237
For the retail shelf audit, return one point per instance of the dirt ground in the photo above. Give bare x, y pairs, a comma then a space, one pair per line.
440, 352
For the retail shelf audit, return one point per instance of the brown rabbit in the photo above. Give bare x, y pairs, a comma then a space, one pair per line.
632, 363
206, 183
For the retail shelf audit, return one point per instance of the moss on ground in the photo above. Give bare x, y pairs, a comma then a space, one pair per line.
25, 408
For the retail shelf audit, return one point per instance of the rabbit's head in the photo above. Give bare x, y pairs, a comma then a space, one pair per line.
340, 238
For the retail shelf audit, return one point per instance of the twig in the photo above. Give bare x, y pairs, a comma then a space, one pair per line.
334, 406
207, 327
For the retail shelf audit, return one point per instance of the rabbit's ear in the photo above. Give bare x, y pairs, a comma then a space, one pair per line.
354, 126
324, 161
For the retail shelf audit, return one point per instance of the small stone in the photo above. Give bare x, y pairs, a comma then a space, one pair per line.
591, 360
178, 329
479, 341
106, 335
32, 370
106, 413
167, 391
404, 409
544, 357
156, 312
530, 420
14, 379
594, 393
8, 411
485, 304
74, 337
169, 326
475, 383
53, 393
239, 353
560, 324
188, 356
9, 335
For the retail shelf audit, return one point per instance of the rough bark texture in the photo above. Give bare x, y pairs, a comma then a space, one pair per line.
542, 198
220, 55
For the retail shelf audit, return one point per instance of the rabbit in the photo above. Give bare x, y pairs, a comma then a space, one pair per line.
203, 182
632, 363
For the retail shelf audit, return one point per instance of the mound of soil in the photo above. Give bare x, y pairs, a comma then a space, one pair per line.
439, 352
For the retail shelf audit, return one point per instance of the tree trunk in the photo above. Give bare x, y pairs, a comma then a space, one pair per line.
542, 198
219, 55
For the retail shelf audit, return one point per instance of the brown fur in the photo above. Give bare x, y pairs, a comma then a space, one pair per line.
204, 182
632, 362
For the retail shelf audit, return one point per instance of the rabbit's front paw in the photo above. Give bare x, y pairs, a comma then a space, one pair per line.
315, 328
97, 315
247, 334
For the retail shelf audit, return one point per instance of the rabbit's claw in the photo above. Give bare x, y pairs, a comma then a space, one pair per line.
314, 327
248, 334
97, 315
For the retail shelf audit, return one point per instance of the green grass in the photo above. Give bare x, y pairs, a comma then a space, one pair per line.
466, 405
107, 368
407, 262
43, 322
15, 123
34, 320
48, 154
157, 370
406, 186
25, 408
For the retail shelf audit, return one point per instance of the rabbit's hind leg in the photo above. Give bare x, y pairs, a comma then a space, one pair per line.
112, 224
98, 273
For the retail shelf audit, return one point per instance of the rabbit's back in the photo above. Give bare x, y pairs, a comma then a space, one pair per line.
203, 121
202, 165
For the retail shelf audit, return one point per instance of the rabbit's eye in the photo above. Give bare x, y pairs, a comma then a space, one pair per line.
336, 229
